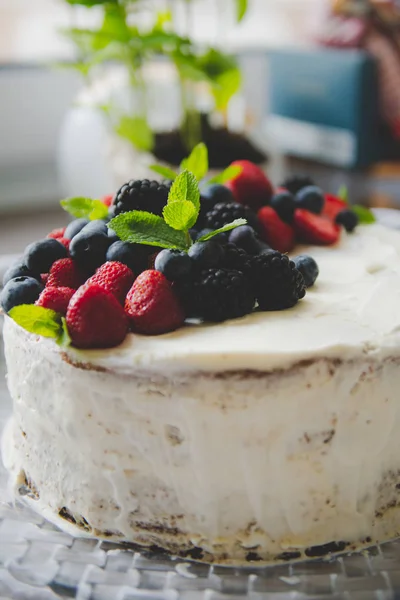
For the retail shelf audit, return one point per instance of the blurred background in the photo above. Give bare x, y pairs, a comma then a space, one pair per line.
92, 92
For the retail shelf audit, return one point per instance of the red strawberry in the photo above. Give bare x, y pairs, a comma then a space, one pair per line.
56, 298
57, 233
152, 306
314, 229
95, 318
44, 277
65, 273
333, 206
115, 277
251, 187
278, 234
107, 200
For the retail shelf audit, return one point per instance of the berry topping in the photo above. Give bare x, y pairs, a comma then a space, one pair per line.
295, 183
21, 290
333, 206
217, 295
95, 318
152, 305
313, 229
114, 277
56, 298
224, 213
75, 227
212, 195
150, 196
206, 255
175, 265
18, 269
277, 283
245, 237
284, 204
251, 187
308, 268
39, 256
89, 246
275, 232
348, 219
65, 273
133, 256
56, 234
311, 198
237, 259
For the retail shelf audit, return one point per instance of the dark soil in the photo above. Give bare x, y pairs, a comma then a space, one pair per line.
223, 146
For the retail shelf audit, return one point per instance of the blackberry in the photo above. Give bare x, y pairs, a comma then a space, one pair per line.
217, 295
237, 259
226, 212
276, 281
295, 183
141, 194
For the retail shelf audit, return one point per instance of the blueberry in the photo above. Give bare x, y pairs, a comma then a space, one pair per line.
75, 227
18, 269
216, 193
220, 238
284, 204
308, 268
173, 264
132, 255
113, 236
89, 247
206, 255
20, 290
348, 219
244, 237
39, 256
311, 198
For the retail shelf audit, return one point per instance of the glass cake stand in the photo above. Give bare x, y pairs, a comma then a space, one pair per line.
39, 562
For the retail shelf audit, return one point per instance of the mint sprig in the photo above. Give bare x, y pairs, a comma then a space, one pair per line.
165, 172
196, 162
364, 214
229, 173
86, 208
224, 229
343, 193
41, 321
140, 227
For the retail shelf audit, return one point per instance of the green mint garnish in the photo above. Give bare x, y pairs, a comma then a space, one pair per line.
343, 194
41, 321
196, 162
364, 214
185, 187
165, 172
241, 9
139, 227
228, 227
86, 208
180, 215
229, 173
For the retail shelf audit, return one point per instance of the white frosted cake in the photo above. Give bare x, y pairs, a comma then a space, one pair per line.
273, 436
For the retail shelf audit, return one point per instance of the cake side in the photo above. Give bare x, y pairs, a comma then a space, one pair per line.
230, 467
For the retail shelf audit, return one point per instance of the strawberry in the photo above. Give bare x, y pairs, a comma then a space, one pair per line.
278, 234
56, 234
251, 187
115, 277
44, 277
65, 273
107, 200
56, 298
95, 318
333, 206
314, 229
152, 306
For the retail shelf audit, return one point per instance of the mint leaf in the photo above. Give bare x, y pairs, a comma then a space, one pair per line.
64, 338
164, 172
180, 215
343, 194
228, 227
197, 161
87, 208
185, 187
241, 9
364, 214
37, 319
225, 86
228, 174
139, 227
137, 131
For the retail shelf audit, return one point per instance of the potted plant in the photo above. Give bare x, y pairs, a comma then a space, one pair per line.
124, 64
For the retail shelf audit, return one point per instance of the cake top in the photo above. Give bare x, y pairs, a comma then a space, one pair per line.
176, 256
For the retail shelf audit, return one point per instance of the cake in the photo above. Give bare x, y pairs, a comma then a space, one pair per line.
268, 437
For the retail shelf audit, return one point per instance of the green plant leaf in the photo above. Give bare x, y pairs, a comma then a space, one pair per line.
164, 172
226, 85
228, 174
137, 131
87, 208
64, 338
180, 215
343, 194
364, 214
185, 187
228, 227
37, 319
139, 227
90, 3
241, 9
197, 161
